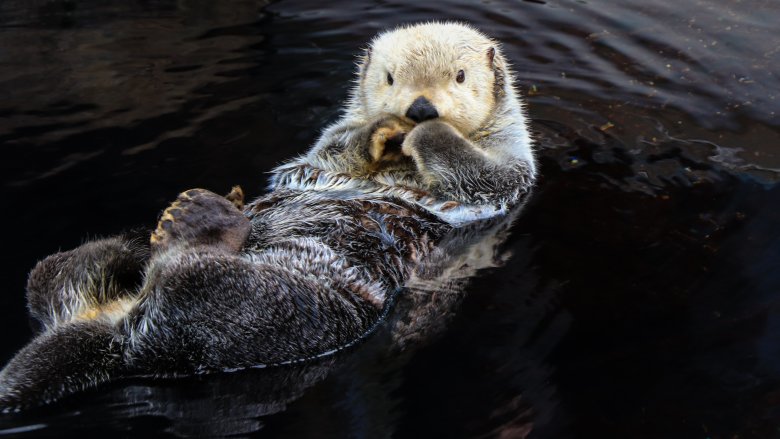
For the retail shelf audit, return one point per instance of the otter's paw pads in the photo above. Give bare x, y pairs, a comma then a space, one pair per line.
389, 133
202, 218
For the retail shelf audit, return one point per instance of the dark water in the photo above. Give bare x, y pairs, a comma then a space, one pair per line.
643, 297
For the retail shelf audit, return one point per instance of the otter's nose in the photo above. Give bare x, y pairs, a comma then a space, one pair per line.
421, 109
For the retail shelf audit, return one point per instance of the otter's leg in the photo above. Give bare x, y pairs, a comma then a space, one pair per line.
60, 361
75, 283
456, 168
72, 293
85, 340
206, 310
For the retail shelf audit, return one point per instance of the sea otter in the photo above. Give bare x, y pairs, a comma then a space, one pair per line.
434, 140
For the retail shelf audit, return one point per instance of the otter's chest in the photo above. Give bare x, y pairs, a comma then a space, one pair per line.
354, 224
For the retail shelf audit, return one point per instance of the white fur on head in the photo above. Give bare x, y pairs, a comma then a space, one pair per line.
424, 60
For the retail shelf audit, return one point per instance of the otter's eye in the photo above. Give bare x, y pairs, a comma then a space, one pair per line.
389, 79
461, 76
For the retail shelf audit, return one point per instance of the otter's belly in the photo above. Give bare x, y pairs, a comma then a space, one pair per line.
385, 237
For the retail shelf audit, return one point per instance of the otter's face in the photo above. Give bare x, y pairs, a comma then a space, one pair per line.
445, 71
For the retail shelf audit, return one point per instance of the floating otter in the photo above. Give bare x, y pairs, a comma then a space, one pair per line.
434, 138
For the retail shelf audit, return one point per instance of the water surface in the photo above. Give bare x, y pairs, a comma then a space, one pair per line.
642, 297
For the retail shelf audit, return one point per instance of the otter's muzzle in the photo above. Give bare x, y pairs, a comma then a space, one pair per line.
421, 110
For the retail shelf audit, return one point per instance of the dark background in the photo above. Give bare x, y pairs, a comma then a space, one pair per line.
643, 296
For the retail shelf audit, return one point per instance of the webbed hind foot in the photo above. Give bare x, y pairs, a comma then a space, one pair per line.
66, 284
202, 218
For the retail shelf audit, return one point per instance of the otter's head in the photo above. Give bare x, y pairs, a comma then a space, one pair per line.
432, 70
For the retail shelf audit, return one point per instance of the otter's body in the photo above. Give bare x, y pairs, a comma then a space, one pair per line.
309, 268
314, 276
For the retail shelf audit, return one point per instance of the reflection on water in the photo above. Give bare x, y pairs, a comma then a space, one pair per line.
639, 295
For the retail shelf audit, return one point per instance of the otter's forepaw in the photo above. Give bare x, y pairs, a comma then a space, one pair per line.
387, 133
433, 134
202, 218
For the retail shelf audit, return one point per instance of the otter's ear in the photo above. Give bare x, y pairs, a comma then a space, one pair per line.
495, 59
499, 67
365, 60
